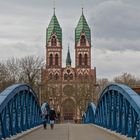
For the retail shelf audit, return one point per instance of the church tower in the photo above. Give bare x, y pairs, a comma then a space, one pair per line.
68, 89
82, 44
54, 44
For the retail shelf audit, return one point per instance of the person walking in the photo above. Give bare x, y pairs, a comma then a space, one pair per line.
59, 117
45, 115
52, 116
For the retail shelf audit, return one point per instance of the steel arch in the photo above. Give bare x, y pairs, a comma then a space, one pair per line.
118, 109
89, 115
19, 110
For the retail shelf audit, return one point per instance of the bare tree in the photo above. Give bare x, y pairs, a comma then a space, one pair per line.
12, 66
102, 83
5, 78
128, 79
24, 70
30, 70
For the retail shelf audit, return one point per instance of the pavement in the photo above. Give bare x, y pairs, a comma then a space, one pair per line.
72, 132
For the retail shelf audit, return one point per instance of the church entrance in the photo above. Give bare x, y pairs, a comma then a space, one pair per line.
68, 109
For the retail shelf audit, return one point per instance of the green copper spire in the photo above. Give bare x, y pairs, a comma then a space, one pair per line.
68, 59
82, 27
54, 27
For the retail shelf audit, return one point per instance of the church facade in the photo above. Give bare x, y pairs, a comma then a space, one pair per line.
68, 89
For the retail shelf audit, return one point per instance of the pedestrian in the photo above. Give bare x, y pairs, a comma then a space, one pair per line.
45, 115
59, 117
52, 115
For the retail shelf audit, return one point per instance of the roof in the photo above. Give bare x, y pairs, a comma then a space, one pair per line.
68, 59
54, 27
82, 26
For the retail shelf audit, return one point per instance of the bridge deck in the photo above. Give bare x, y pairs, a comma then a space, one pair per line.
71, 132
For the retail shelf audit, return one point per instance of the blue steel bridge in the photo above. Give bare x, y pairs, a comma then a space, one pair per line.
117, 110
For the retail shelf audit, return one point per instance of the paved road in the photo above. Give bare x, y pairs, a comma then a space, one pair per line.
71, 132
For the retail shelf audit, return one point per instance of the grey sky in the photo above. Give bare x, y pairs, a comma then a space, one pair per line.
115, 26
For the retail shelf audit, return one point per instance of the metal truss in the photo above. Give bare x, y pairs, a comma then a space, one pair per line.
19, 110
118, 109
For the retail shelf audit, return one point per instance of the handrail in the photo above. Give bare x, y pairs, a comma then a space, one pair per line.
118, 109
19, 110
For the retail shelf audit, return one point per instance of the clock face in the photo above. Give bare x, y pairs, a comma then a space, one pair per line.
68, 90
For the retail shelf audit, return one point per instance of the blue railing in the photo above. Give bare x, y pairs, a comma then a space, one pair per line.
19, 110
118, 109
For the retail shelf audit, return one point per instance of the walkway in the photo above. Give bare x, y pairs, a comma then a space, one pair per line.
72, 132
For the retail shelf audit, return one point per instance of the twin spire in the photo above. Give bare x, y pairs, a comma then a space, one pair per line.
82, 27
54, 28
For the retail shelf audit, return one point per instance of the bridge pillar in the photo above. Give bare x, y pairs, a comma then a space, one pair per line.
138, 135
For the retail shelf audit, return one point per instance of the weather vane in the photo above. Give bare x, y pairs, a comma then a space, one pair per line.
82, 4
54, 5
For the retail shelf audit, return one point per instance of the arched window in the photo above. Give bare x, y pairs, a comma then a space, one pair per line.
65, 76
80, 76
53, 41
51, 59
56, 59
86, 59
86, 76
80, 59
50, 76
71, 76
56, 77
83, 40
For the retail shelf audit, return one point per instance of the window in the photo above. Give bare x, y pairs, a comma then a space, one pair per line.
80, 76
56, 77
56, 59
86, 76
50, 76
51, 59
83, 40
85, 59
65, 76
53, 41
71, 76
80, 59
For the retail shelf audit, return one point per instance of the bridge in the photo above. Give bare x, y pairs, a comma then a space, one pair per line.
116, 116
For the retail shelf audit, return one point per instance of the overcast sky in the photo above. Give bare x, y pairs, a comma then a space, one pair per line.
115, 26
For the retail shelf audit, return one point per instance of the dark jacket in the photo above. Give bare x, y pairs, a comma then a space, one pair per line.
52, 115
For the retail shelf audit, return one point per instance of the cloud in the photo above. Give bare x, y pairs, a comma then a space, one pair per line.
20, 49
116, 26
110, 64
116, 44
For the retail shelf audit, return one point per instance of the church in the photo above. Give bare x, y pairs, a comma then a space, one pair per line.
68, 89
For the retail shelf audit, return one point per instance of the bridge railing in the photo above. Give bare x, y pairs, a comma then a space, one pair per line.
118, 109
19, 110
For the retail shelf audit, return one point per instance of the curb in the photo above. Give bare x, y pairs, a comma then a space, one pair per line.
123, 137
23, 133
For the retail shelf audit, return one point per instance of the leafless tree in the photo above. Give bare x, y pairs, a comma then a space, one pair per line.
30, 70
23, 70
100, 85
5, 78
128, 79
12, 66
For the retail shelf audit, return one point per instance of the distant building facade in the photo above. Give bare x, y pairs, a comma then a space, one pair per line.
68, 89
